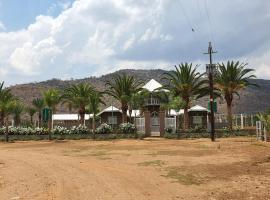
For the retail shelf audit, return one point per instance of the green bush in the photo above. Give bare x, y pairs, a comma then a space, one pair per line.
104, 129
127, 128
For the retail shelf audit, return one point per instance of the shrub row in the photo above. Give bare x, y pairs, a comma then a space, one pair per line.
125, 128
205, 134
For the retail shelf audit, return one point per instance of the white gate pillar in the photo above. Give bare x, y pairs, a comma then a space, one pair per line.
242, 121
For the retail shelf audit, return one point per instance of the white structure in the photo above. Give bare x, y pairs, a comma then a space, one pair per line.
109, 109
69, 117
153, 85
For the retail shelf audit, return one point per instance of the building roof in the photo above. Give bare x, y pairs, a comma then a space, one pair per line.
198, 108
134, 113
69, 117
152, 85
109, 109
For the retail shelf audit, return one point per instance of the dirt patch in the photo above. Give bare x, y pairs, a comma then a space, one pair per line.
232, 168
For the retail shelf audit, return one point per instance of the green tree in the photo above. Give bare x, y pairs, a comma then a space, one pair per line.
230, 79
6, 99
17, 109
95, 100
39, 104
77, 96
31, 112
122, 87
52, 98
186, 83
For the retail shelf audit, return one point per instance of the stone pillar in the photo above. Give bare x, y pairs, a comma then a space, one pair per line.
162, 122
147, 125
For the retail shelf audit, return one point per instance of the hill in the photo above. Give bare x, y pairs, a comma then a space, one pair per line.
252, 100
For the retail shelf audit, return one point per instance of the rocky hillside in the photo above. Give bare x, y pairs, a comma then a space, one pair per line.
252, 100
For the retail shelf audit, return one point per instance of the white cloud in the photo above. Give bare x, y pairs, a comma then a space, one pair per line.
2, 26
93, 37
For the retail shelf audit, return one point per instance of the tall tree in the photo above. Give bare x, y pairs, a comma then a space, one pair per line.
39, 104
95, 100
51, 97
230, 79
77, 96
122, 87
186, 83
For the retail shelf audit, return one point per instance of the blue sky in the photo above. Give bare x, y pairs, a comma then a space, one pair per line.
44, 39
18, 14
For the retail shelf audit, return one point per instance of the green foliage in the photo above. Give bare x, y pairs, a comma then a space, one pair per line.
52, 97
127, 128
104, 129
187, 83
169, 130
122, 88
230, 79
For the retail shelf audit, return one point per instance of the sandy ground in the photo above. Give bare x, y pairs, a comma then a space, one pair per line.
236, 168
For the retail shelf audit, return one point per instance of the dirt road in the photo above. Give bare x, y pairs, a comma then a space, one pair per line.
129, 169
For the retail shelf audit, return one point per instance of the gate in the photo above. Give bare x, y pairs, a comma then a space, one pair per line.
140, 124
155, 126
170, 123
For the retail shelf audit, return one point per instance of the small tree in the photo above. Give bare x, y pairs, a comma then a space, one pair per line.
39, 104
122, 88
52, 98
16, 109
77, 96
31, 112
95, 100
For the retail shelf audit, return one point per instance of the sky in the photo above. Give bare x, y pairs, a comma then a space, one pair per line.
64, 39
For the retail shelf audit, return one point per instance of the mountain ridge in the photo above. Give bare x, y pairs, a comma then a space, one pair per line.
252, 100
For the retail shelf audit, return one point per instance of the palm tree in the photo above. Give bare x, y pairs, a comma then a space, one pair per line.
186, 83
6, 99
16, 109
95, 100
122, 87
51, 98
230, 79
31, 111
39, 104
77, 96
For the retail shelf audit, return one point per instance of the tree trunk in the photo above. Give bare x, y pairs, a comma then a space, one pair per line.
130, 112
186, 118
6, 132
31, 120
124, 112
2, 119
229, 116
50, 125
94, 125
39, 118
82, 113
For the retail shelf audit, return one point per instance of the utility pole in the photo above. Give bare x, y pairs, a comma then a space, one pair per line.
210, 70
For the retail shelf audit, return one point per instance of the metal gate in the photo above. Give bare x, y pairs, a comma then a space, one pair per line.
170, 123
140, 124
155, 126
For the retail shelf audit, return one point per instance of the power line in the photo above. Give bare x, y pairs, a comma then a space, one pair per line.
186, 16
210, 28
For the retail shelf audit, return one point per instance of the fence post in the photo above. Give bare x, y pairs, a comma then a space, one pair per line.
242, 121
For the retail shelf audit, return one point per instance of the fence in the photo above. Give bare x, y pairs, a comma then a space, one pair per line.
261, 133
140, 124
239, 120
170, 123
